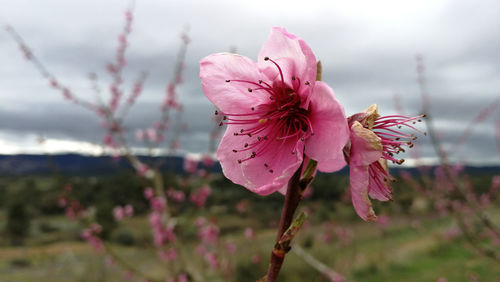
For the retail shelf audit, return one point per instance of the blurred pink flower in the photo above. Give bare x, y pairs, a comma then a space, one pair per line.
157, 203
242, 206
176, 195
128, 210
374, 141
199, 197
149, 193
212, 260
207, 160
169, 255
275, 111
249, 233
209, 234
190, 164
118, 213
256, 259
383, 220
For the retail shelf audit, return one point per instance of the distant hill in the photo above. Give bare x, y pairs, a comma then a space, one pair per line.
75, 164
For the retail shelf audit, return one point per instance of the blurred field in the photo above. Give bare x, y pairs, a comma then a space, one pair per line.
412, 247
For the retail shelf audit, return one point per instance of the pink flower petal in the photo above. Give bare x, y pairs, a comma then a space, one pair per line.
366, 147
359, 192
255, 173
330, 129
230, 97
291, 51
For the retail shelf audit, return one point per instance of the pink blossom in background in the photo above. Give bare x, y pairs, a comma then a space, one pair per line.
207, 160
190, 164
139, 135
256, 259
157, 203
275, 111
61, 202
442, 279
199, 197
212, 260
176, 195
242, 206
90, 235
209, 234
128, 210
200, 221
374, 141
249, 233
121, 212
383, 220
149, 193
150, 134
169, 255
118, 213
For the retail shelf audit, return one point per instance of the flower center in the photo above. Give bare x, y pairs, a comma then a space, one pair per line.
267, 128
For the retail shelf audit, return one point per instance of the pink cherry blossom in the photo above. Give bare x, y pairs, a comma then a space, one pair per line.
149, 193
190, 164
118, 213
276, 112
374, 141
200, 196
249, 233
212, 260
176, 195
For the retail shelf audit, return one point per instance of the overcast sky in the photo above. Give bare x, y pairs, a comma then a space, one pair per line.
367, 49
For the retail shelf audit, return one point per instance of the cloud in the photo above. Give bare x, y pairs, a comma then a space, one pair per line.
367, 52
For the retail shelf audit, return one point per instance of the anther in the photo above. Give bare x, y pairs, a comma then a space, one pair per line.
221, 123
249, 135
253, 155
239, 161
216, 112
252, 108
242, 130
271, 98
266, 165
293, 77
258, 138
224, 118
260, 81
227, 80
302, 139
246, 145
271, 171
266, 58
307, 83
249, 89
235, 151
235, 134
